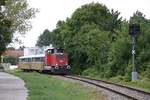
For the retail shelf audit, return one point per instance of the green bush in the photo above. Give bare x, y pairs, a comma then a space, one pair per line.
11, 60
90, 72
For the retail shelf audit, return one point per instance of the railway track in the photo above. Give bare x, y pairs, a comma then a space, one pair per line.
127, 92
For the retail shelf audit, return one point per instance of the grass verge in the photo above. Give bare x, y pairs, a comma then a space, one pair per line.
45, 87
142, 84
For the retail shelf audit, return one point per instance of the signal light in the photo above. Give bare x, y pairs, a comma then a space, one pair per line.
134, 29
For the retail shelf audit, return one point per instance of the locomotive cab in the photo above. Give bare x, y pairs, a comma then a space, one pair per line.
56, 61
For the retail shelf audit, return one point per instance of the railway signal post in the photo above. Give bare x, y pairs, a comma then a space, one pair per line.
134, 29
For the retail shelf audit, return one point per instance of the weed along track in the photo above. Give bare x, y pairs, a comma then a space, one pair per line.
126, 92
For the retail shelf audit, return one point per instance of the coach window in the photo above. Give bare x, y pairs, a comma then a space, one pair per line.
26, 59
37, 59
23, 60
29, 59
33, 59
41, 59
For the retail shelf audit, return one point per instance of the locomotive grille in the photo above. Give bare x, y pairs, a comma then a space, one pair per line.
61, 59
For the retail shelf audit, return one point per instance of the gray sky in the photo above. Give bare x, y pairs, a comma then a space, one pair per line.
53, 10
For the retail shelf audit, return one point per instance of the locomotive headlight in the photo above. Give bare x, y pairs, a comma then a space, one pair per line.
56, 67
68, 67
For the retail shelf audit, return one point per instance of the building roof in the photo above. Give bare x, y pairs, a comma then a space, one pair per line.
13, 53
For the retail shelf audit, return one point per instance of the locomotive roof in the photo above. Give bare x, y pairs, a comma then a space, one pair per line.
33, 56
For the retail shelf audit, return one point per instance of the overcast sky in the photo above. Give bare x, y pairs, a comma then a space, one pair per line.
53, 10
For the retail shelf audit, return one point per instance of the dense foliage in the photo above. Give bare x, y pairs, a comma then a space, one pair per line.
11, 60
97, 42
14, 18
46, 38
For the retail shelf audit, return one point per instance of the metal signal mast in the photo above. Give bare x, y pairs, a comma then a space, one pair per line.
134, 29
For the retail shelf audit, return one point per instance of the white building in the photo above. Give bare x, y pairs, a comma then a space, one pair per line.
36, 50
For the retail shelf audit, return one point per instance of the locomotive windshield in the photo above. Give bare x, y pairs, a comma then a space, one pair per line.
52, 51
60, 51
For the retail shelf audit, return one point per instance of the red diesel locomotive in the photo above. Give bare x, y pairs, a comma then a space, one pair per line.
54, 60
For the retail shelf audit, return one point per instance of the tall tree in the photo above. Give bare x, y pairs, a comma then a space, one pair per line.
14, 18
119, 57
5, 33
19, 13
86, 35
88, 32
46, 38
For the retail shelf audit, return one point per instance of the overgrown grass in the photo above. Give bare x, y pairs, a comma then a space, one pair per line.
141, 83
45, 87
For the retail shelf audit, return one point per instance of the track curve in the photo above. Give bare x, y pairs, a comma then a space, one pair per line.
128, 92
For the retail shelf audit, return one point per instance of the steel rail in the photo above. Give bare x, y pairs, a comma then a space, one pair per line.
134, 89
89, 80
98, 85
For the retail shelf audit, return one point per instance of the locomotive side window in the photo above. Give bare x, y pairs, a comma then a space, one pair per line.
50, 51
